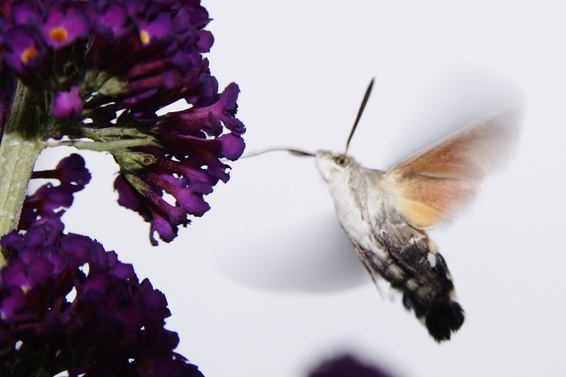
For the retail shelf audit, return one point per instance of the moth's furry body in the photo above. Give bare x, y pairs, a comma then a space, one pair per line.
387, 245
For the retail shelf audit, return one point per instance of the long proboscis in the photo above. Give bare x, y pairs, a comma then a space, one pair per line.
293, 151
360, 112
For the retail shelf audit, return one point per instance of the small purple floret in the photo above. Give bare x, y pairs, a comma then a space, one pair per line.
50, 201
24, 51
67, 105
63, 27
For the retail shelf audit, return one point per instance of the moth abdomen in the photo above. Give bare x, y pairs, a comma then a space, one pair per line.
429, 293
420, 273
443, 318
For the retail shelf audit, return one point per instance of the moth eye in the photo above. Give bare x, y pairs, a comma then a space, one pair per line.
341, 160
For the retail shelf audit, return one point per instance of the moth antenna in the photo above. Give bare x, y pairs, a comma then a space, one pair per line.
295, 152
360, 111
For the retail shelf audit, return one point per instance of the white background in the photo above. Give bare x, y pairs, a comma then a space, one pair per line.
266, 284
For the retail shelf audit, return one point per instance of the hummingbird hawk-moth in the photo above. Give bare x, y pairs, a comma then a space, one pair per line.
386, 213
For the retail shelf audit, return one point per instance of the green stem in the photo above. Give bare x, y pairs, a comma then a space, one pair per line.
103, 146
102, 133
18, 151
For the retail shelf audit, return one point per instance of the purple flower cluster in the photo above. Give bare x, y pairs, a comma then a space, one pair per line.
98, 75
67, 304
104, 69
187, 177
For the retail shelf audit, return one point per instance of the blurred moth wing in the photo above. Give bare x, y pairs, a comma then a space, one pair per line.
440, 182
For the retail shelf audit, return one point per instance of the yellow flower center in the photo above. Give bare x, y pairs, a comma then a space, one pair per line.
29, 53
144, 37
58, 34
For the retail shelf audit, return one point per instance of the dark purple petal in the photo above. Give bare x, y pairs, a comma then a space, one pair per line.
229, 108
114, 267
67, 105
12, 306
205, 41
163, 217
127, 197
232, 146
156, 30
189, 195
46, 234
111, 21
208, 118
16, 275
71, 171
23, 13
78, 248
163, 226
156, 305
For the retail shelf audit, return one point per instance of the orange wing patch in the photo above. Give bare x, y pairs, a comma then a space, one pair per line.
438, 183
426, 201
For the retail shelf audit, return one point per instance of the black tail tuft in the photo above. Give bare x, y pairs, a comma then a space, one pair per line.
444, 318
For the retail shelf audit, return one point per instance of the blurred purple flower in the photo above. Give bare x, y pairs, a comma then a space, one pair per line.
64, 26
104, 69
24, 52
67, 304
51, 201
347, 366
67, 105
